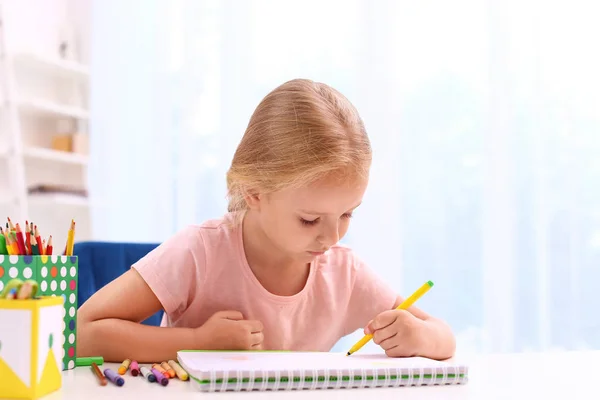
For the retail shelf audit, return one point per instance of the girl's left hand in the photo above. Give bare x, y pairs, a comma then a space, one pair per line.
398, 332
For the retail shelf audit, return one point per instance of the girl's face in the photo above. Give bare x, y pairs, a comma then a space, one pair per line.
305, 222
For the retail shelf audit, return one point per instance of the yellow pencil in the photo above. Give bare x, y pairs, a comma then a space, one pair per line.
14, 247
9, 247
405, 304
71, 239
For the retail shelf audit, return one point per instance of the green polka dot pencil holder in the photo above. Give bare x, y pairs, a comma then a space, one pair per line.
51, 276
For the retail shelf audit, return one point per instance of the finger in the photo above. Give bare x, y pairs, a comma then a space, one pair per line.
367, 330
384, 334
257, 339
383, 320
393, 351
389, 342
233, 315
257, 347
255, 326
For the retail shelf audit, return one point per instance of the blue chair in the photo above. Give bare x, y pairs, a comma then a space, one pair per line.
102, 262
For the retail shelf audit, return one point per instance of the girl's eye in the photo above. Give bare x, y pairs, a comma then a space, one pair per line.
307, 222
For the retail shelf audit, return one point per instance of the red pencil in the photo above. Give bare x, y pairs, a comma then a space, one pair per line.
20, 241
48, 250
38, 238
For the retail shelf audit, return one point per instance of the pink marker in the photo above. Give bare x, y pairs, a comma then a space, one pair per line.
135, 368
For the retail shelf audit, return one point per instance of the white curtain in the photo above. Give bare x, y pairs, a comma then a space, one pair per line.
484, 118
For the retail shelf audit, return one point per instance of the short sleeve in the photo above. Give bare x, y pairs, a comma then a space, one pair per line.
175, 270
370, 296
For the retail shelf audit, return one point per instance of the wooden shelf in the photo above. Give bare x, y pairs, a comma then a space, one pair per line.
39, 153
48, 108
52, 65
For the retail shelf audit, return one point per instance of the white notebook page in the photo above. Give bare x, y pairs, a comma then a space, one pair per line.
260, 361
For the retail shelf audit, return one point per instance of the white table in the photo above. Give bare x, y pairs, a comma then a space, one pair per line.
570, 375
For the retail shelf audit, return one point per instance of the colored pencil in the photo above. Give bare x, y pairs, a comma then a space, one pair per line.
14, 248
20, 240
48, 250
3, 248
35, 249
27, 238
38, 239
70, 239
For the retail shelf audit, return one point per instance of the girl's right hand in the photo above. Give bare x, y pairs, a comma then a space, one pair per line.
228, 330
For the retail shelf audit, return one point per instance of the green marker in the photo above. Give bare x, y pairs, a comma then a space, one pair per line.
87, 361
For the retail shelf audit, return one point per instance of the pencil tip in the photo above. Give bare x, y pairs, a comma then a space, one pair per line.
347, 354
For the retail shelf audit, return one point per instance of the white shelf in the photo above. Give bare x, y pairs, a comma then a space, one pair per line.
51, 199
49, 108
64, 157
52, 65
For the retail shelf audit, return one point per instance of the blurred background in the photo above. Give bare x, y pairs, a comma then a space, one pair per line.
484, 117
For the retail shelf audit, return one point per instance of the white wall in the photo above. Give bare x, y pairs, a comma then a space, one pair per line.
39, 26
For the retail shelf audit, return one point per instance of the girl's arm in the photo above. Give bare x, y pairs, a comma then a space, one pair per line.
108, 324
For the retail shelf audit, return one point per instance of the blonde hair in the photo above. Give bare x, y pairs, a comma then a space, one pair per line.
300, 132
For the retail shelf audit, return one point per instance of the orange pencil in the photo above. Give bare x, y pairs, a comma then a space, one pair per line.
12, 245
15, 245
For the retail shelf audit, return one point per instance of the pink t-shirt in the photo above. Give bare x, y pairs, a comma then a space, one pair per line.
203, 269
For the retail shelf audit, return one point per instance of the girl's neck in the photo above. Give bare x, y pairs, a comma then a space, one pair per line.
277, 272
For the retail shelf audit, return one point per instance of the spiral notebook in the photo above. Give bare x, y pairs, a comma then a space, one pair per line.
218, 371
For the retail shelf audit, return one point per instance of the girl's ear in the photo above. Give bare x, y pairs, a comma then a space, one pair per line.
252, 198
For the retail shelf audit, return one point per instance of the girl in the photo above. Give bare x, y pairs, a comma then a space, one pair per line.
269, 274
